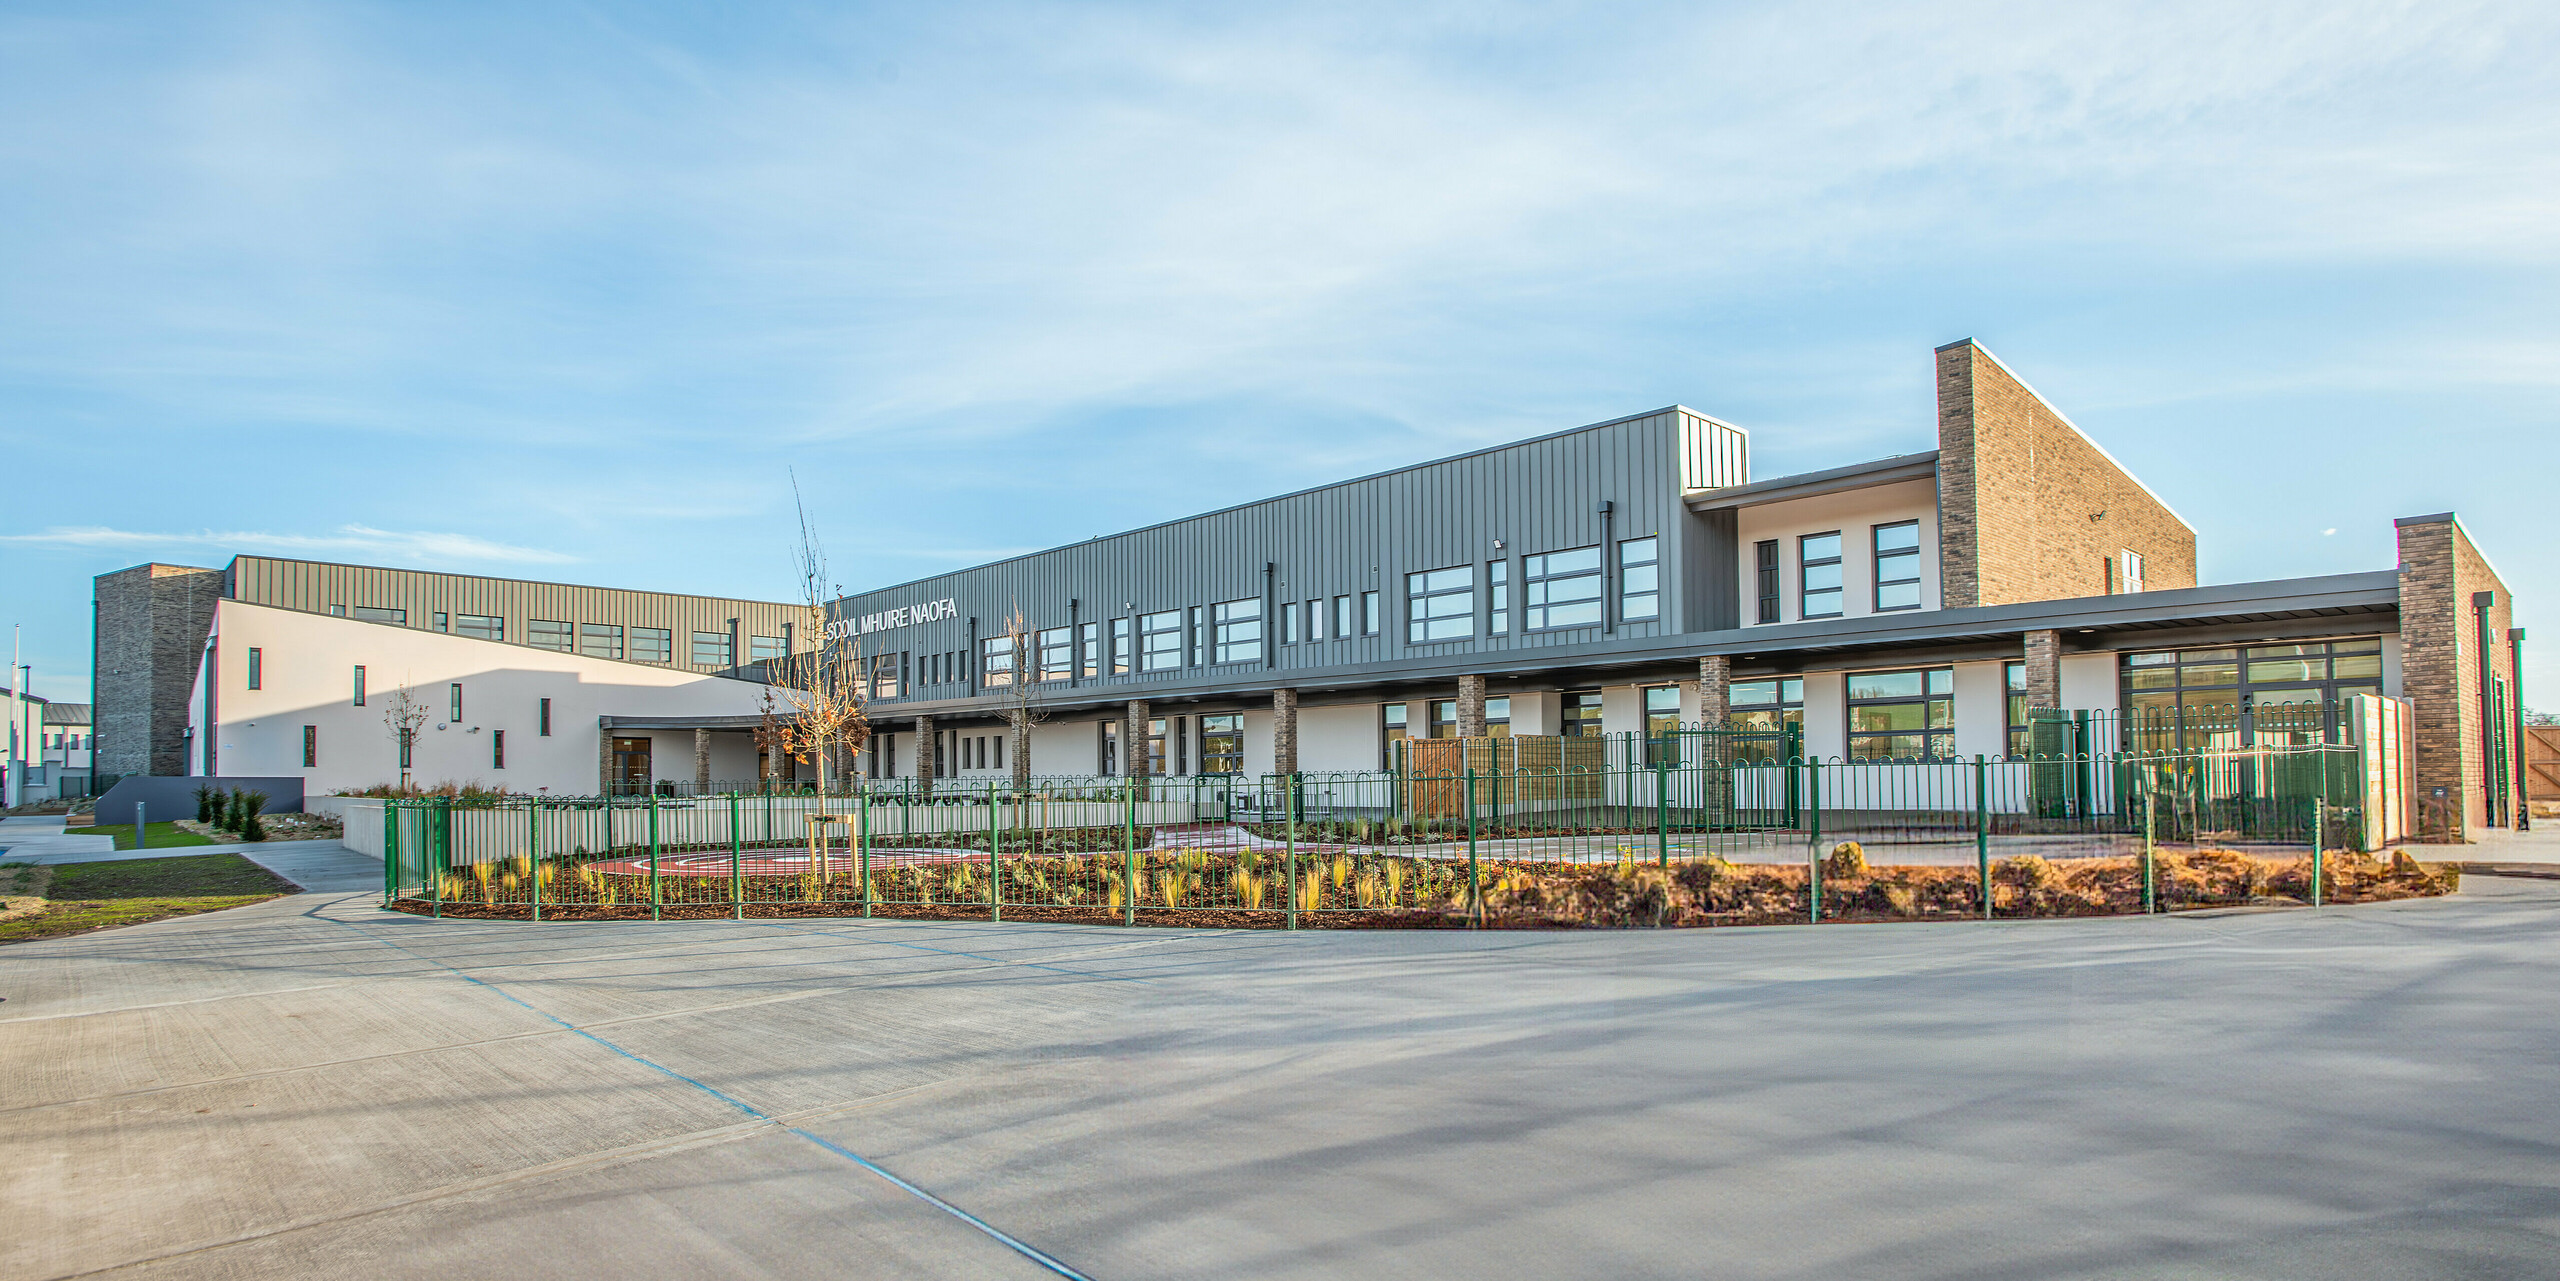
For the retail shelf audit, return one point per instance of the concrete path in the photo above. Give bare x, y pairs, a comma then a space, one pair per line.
43, 840
312, 1087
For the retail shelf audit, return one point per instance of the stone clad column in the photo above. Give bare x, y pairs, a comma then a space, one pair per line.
1133, 738
1715, 690
604, 760
927, 755
701, 760
1284, 731
1470, 707
2044, 669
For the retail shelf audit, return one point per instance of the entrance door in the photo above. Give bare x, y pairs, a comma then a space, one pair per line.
631, 762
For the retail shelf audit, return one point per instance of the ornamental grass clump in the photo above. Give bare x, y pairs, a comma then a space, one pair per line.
1847, 861
1250, 888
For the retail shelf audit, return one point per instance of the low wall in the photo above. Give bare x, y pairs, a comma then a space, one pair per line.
175, 798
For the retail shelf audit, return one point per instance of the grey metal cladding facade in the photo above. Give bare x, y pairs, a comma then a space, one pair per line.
1536, 496
314, 586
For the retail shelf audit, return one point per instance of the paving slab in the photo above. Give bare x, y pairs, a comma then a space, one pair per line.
313, 1087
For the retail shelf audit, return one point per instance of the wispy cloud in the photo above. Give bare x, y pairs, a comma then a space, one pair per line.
412, 547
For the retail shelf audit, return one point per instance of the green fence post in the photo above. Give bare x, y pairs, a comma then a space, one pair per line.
864, 857
1290, 835
1662, 812
390, 852
654, 896
1475, 875
2150, 836
737, 874
1813, 775
1982, 829
2319, 843
533, 850
439, 852
1129, 861
1813, 882
995, 860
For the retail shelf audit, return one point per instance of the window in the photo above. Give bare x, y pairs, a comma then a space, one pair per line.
1902, 716
359, 685
257, 668
2128, 571
760, 648
653, 644
884, 675
711, 649
600, 640
1158, 731
1222, 744
1582, 714
1662, 724
549, 634
1441, 605
1369, 620
1818, 555
995, 660
2173, 696
1315, 620
1497, 591
1444, 717
408, 741
995, 752
1160, 640
1766, 711
456, 691
1196, 638
1089, 650
1764, 573
480, 626
1107, 749
1640, 578
337, 611
1289, 632
372, 614
439, 623
2014, 698
1057, 653
1561, 589
310, 746
497, 749
1343, 624
1392, 725
1121, 653
1236, 630
1897, 550
544, 728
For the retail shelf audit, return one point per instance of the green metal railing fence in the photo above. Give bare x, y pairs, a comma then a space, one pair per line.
1703, 831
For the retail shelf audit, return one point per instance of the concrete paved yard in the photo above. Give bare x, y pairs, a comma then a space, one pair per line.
313, 1088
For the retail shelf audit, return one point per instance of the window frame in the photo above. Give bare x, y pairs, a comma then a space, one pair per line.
1122, 657
1236, 631
1230, 730
1088, 651
666, 651
1497, 596
454, 689
1878, 555
1431, 605
1372, 617
1805, 565
605, 632
995, 661
257, 667
722, 654
1651, 565
537, 633
488, 627
1937, 741
1053, 645
543, 728
359, 691
1768, 579
1160, 641
310, 746
761, 649
497, 749
1538, 584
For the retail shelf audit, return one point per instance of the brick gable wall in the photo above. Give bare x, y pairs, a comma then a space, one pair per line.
152, 621
2440, 668
2018, 486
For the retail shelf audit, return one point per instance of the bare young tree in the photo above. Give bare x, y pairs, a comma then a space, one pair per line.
824, 687
1023, 704
402, 715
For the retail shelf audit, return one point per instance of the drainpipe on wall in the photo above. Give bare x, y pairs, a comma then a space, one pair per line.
1608, 564
2524, 747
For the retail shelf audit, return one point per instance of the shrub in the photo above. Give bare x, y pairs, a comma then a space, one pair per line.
204, 805
1847, 861
249, 827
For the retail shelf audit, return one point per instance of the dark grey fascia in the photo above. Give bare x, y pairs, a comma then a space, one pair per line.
681, 722
2221, 612
1779, 489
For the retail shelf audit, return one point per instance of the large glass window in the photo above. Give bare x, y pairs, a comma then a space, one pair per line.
1369, 614
1771, 706
1222, 744
995, 660
1123, 647
547, 633
600, 640
1560, 589
1290, 633
1315, 620
1662, 724
480, 626
711, 649
1392, 720
761, 648
1764, 574
1818, 557
1902, 716
1640, 578
1235, 631
1582, 714
1088, 650
377, 614
1057, 653
1343, 623
2171, 697
1897, 549
1497, 578
1497, 717
884, 675
1441, 605
1160, 641
653, 644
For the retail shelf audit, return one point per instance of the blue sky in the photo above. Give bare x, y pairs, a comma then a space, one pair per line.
569, 291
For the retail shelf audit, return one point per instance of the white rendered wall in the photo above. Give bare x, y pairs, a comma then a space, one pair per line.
308, 664
1826, 715
1621, 709
1854, 514
1340, 738
2089, 682
1982, 710
2391, 665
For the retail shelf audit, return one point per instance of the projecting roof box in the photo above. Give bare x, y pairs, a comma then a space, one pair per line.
1883, 471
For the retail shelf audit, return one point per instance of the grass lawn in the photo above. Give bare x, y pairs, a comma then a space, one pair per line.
162, 835
89, 896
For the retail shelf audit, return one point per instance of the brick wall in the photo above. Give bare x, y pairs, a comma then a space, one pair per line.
152, 621
2021, 492
2440, 667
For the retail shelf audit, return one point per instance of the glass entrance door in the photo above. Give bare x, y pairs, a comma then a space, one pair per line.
631, 762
